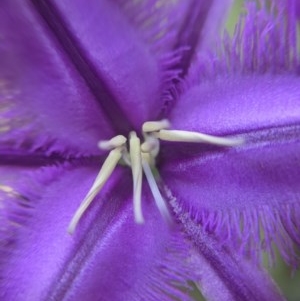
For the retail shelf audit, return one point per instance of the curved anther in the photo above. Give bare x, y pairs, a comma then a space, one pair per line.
114, 142
154, 126
137, 176
103, 175
187, 136
151, 146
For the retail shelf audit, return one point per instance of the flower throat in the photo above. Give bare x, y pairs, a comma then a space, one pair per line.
140, 157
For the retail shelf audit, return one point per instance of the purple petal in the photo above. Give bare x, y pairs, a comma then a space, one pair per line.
298, 9
255, 184
45, 105
168, 24
234, 193
158, 22
200, 27
14, 196
109, 257
239, 104
198, 30
111, 56
225, 275
265, 41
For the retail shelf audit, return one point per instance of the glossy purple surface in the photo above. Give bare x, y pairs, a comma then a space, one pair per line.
75, 72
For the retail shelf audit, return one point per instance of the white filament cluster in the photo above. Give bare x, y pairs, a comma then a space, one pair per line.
141, 158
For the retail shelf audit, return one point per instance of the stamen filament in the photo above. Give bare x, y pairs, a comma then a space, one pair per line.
195, 137
137, 176
160, 202
105, 172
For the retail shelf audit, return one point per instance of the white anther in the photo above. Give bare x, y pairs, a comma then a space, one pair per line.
186, 136
154, 126
103, 175
160, 202
137, 176
114, 142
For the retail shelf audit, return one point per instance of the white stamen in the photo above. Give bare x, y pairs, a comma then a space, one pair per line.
137, 176
160, 203
103, 175
154, 126
142, 158
114, 142
186, 136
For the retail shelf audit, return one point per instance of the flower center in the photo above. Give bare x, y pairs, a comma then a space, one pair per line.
141, 158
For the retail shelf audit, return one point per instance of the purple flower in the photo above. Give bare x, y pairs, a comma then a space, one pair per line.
73, 73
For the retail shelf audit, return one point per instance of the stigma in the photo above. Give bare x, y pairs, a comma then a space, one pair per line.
140, 158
